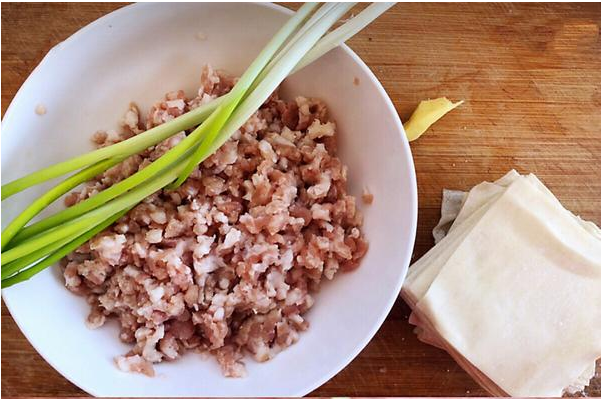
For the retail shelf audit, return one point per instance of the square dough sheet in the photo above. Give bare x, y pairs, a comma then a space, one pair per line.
515, 287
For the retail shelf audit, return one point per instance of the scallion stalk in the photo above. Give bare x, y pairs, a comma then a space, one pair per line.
92, 218
273, 77
190, 119
343, 33
122, 149
16, 265
300, 41
175, 154
60, 253
245, 82
50, 196
210, 126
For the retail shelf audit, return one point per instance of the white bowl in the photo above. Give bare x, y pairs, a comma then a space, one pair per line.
139, 53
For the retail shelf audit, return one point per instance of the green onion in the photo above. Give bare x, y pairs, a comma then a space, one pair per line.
279, 71
122, 149
169, 158
272, 80
244, 83
16, 265
344, 32
60, 253
190, 119
28, 249
208, 127
92, 218
50, 196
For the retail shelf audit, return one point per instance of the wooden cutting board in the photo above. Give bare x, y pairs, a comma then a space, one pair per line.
530, 78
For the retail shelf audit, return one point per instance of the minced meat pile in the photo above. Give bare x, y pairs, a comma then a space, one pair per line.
227, 263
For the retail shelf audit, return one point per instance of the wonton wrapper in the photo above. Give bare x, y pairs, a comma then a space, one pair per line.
422, 272
504, 292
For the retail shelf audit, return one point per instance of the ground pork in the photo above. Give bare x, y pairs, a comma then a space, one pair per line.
227, 263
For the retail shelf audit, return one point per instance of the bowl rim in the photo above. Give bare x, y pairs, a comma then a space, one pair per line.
413, 196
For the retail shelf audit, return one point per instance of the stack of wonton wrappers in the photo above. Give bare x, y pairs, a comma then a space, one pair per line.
512, 291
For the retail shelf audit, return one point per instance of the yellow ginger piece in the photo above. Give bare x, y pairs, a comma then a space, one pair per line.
427, 113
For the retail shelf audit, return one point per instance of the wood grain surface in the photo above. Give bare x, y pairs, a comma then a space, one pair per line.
530, 78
